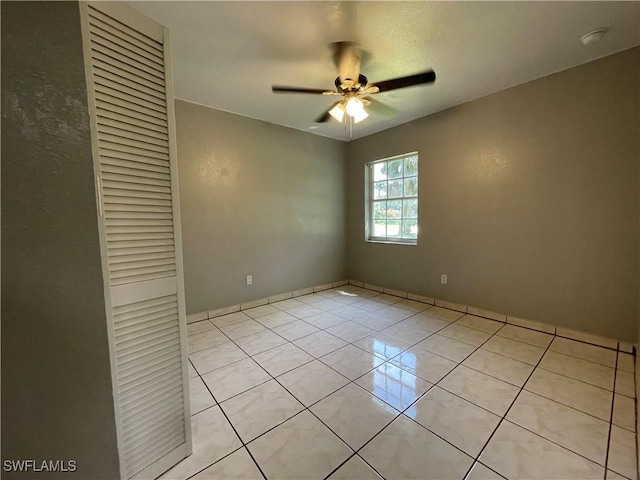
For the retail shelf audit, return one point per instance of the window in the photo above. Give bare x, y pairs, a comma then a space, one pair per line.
392, 205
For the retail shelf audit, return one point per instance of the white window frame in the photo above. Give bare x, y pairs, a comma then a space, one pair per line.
369, 202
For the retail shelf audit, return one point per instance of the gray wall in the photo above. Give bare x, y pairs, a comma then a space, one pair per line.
57, 400
256, 199
528, 201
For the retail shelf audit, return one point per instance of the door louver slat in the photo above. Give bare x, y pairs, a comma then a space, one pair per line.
140, 245
135, 187
117, 148
117, 255
122, 123
98, 37
140, 433
147, 83
148, 90
126, 118
144, 351
148, 196
151, 346
152, 389
125, 29
148, 456
169, 405
141, 369
139, 316
132, 43
153, 321
112, 99
128, 95
133, 161
133, 140
100, 49
145, 136
120, 65
132, 207
124, 216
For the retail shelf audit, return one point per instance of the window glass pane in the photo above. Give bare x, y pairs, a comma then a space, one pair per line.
410, 208
379, 229
395, 188
394, 168
393, 199
394, 209
410, 166
379, 210
379, 190
411, 187
393, 228
379, 171
410, 229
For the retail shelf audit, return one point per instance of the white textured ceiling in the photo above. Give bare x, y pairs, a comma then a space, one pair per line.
226, 55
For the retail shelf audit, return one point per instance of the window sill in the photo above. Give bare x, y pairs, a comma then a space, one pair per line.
392, 242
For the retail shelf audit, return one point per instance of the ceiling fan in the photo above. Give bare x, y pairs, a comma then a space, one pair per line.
352, 86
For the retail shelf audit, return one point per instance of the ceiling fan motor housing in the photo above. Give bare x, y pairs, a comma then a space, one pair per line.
349, 65
357, 86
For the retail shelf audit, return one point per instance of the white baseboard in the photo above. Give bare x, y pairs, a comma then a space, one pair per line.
480, 312
198, 317
505, 318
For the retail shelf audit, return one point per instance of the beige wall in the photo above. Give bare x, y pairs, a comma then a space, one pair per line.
528, 201
256, 199
57, 400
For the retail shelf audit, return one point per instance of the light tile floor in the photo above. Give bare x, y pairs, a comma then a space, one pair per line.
352, 384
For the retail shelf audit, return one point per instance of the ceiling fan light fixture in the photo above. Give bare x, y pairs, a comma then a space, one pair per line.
355, 107
337, 112
359, 116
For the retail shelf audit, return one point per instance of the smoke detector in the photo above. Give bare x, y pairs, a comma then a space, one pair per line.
593, 37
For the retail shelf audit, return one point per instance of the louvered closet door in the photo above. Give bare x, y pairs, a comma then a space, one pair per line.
138, 205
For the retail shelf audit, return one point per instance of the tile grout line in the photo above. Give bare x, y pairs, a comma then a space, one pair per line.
465, 312
551, 399
412, 313
369, 371
613, 402
275, 379
504, 416
380, 330
344, 463
402, 412
296, 414
331, 393
635, 411
292, 342
355, 452
413, 345
568, 406
434, 384
218, 404
506, 322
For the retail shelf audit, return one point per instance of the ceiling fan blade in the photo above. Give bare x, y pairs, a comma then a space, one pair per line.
381, 109
325, 116
425, 77
281, 89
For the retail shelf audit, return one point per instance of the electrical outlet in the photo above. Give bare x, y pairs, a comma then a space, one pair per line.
443, 279
249, 279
